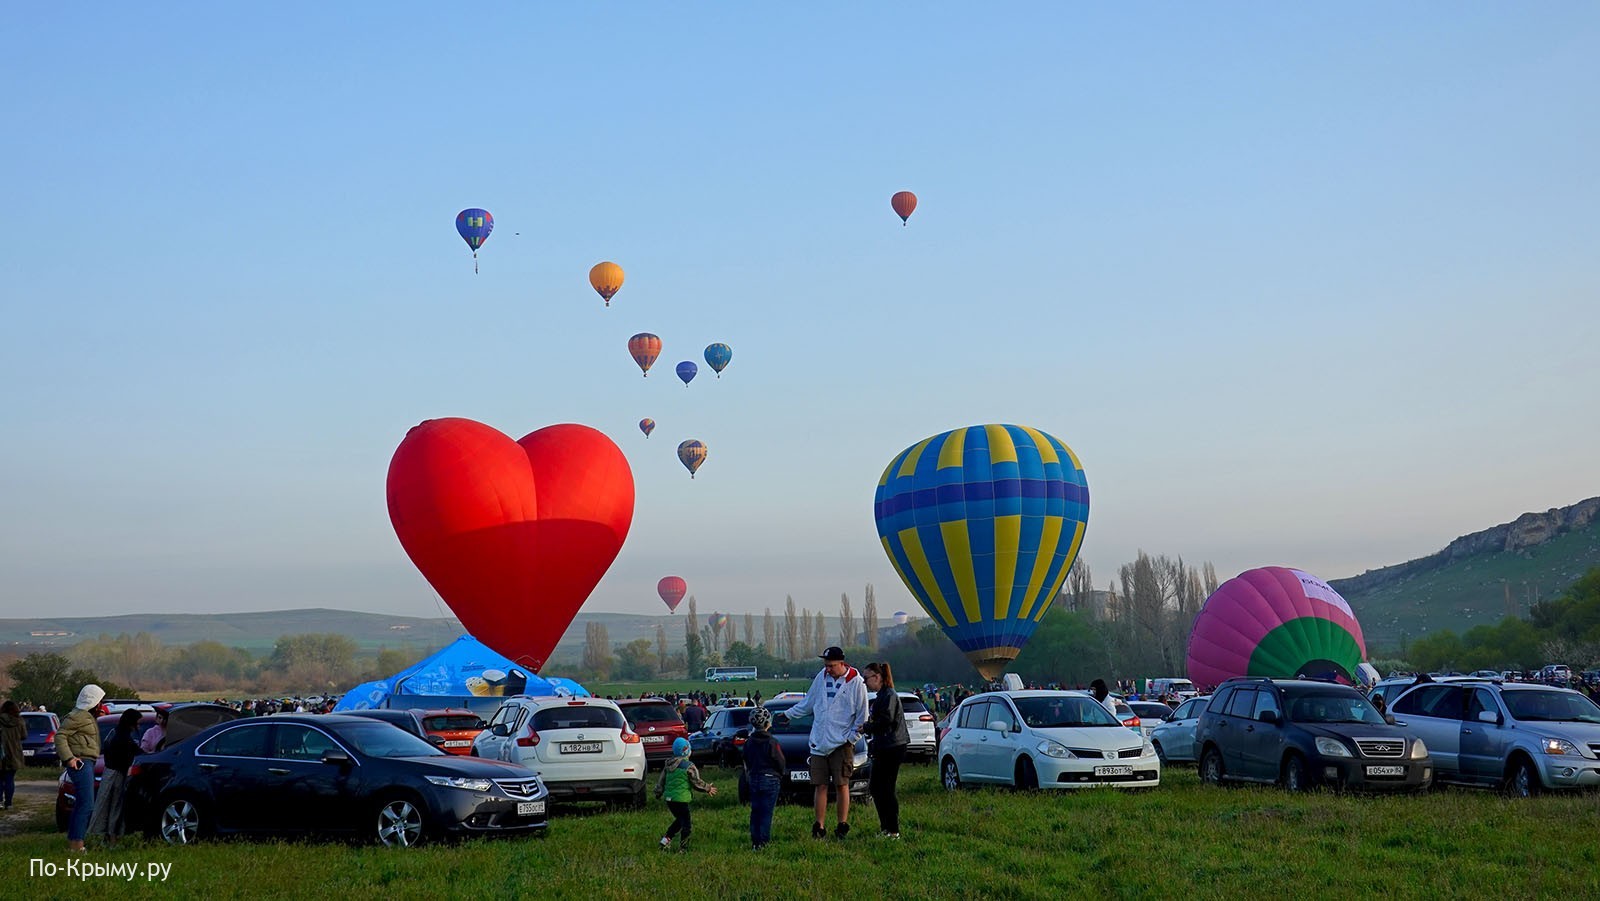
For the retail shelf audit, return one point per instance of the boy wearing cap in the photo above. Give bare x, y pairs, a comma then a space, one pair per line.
838, 702
680, 778
764, 769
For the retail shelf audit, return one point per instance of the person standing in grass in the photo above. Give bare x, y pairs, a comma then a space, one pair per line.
838, 702
12, 733
680, 779
887, 740
119, 751
764, 769
78, 744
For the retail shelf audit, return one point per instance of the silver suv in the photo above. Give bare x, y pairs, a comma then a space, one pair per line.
1524, 737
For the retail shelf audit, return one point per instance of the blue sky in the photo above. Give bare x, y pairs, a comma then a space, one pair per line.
1301, 286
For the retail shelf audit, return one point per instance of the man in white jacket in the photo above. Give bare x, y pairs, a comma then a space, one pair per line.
837, 701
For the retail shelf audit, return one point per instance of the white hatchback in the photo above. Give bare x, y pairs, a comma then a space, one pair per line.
582, 748
1044, 739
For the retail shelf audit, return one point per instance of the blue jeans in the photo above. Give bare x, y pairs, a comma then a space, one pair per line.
83, 800
763, 799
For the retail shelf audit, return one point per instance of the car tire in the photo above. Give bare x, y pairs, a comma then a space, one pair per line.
183, 821
1211, 769
1522, 779
949, 775
1295, 776
398, 822
1027, 778
1160, 754
640, 798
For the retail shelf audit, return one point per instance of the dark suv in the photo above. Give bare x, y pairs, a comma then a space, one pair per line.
1301, 734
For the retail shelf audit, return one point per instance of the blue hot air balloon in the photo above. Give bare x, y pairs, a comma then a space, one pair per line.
474, 225
718, 356
686, 371
982, 524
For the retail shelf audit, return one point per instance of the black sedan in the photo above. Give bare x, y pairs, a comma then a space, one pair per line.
294, 775
794, 737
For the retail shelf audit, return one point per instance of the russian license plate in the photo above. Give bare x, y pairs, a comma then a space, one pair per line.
800, 776
581, 747
457, 744
529, 808
1386, 771
27, 752
1113, 771
654, 739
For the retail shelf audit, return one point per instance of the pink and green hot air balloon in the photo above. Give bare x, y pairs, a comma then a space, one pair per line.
1275, 622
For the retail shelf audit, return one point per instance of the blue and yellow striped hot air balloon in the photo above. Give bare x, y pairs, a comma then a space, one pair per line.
982, 524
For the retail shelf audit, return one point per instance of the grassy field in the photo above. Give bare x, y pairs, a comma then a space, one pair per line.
1181, 839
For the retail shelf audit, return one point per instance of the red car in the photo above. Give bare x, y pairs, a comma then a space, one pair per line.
657, 723
183, 720
451, 729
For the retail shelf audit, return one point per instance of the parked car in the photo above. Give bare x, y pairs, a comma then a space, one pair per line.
1173, 737
1182, 689
451, 729
794, 737
1300, 734
657, 723
1523, 737
183, 721
719, 740
1149, 714
300, 775
582, 748
919, 727
1043, 739
1488, 674
407, 720
39, 745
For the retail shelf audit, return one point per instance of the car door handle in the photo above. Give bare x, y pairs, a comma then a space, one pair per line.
1466, 731
1250, 728
208, 766
278, 770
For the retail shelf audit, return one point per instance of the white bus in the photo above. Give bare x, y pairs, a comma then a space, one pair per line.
730, 674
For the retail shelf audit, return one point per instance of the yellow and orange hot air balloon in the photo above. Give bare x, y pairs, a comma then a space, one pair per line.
607, 280
904, 203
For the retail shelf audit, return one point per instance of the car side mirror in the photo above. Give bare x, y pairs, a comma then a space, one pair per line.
436, 739
1268, 716
999, 726
1489, 716
1389, 718
500, 729
338, 758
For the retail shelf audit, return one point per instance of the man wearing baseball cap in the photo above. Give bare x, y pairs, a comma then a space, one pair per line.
837, 701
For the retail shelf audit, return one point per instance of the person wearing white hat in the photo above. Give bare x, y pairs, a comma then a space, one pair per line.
78, 744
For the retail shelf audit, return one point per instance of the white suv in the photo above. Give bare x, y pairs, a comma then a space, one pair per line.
582, 748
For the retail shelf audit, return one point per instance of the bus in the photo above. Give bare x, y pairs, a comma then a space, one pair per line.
730, 674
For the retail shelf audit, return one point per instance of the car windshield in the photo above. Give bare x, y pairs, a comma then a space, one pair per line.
1063, 711
797, 726
383, 740
578, 716
1551, 706
452, 722
1328, 707
650, 713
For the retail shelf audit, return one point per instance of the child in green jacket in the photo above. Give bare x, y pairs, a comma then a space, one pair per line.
680, 778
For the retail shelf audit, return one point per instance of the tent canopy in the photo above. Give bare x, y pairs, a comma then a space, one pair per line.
465, 673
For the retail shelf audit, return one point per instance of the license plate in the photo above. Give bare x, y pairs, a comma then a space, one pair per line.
529, 808
1386, 771
457, 744
27, 752
581, 747
654, 739
800, 776
1113, 771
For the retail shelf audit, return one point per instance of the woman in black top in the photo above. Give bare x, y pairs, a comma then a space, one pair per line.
119, 753
886, 739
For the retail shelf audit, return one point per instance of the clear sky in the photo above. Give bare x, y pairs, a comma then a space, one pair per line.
1312, 285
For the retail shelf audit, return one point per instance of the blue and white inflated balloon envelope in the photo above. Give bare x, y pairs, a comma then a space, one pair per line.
982, 524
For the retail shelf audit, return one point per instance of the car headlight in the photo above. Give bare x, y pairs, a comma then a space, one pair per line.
1054, 749
1418, 749
1149, 748
1559, 746
1332, 747
475, 785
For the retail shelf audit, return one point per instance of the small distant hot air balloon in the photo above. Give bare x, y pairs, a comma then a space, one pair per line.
718, 356
691, 454
719, 621
686, 371
474, 225
672, 589
644, 347
904, 202
606, 278
901, 617
647, 425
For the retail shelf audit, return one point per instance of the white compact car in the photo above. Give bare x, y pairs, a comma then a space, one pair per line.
919, 726
582, 748
1043, 739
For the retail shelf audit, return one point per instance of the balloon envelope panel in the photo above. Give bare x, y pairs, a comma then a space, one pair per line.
1275, 622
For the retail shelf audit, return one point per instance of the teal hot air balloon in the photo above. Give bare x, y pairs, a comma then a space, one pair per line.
982, 524
718, 356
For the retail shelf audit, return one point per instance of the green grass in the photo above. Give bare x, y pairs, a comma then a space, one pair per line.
1181, 839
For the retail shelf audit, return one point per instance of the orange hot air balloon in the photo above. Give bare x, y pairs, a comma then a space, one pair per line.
904, 204
607, 277
644, 347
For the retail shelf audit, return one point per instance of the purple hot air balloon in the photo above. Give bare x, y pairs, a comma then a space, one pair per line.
1275, 622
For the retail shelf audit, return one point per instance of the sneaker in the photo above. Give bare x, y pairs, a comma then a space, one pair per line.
893, 835
841, 830
683, 845
666, 844
817, 831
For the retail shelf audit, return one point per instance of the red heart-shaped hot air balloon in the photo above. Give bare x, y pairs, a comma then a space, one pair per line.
514, 535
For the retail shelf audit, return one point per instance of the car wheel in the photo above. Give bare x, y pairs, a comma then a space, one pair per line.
1027, 778
1211, 767
1295, 777
399, 823
1160, 754
182, 821
1523, 780
949, 776
639, 798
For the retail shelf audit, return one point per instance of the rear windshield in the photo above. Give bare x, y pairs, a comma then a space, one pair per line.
913, 705
452, 722
1146, 711
583, 716
38, 722
651, 713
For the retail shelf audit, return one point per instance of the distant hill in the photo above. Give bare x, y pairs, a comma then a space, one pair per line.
1478, 578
